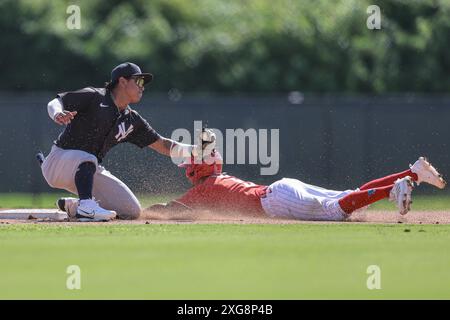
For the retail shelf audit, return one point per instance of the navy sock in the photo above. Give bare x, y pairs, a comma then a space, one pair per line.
84, 180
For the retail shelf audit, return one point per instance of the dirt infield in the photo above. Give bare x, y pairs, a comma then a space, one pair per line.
419, 217
371, 216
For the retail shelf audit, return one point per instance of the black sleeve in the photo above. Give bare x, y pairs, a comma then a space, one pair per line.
145, 135
77, 100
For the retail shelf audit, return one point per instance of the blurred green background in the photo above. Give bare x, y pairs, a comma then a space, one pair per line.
229, 46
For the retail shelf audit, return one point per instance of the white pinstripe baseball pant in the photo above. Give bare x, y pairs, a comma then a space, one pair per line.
291, 198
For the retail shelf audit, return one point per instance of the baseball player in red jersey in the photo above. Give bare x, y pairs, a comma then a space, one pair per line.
291, 198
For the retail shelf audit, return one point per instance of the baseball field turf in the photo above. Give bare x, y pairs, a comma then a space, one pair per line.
226, 261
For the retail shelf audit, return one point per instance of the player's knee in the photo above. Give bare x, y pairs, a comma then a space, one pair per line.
134, 213
130, 212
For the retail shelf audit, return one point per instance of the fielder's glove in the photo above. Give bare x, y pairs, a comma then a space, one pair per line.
208, 139
207, 143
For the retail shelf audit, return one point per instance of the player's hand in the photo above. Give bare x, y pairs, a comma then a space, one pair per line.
65, 117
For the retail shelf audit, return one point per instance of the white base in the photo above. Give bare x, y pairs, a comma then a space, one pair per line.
26, 214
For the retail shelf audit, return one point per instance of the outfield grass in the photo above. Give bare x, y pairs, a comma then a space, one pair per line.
326, 261
47, 200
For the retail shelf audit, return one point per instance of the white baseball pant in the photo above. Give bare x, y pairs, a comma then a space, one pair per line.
59, 169
291, 198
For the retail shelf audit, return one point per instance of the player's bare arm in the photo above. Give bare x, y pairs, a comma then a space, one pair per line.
165, 146
176, 149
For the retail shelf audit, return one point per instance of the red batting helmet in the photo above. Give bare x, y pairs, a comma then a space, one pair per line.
210, 165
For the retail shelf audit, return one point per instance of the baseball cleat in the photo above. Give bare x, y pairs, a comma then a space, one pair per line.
89, 210
401, 194
427, 173
69, 205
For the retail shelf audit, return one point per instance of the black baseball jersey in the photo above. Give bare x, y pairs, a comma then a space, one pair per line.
99, 125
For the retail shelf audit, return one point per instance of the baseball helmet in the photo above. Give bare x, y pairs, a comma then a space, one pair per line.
211, 165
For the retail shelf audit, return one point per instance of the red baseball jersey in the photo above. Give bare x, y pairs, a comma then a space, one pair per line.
225, 193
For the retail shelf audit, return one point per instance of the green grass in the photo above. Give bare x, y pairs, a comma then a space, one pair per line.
299, 261
47, 200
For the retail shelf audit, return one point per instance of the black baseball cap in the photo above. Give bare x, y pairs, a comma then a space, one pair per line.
128, 69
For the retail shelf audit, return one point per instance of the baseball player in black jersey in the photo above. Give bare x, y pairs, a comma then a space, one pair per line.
96, 120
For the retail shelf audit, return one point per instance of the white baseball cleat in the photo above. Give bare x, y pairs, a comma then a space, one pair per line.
69, 205
401, 194
89, 210
427, 173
